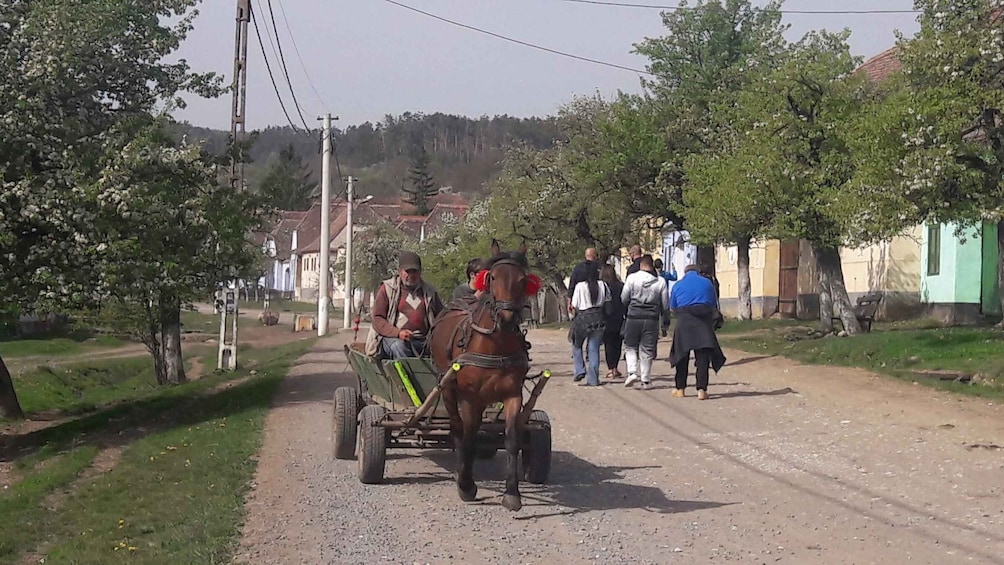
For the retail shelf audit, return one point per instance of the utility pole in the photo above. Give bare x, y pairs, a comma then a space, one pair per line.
227, 357
349, 229
322, 284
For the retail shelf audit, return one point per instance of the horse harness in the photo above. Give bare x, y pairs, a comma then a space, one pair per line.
466, 328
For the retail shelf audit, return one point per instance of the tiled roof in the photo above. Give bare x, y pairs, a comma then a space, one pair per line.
881, 66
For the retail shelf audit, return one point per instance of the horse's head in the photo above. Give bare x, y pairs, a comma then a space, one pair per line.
507, 281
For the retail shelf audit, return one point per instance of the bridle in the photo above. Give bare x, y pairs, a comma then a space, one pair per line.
497, 306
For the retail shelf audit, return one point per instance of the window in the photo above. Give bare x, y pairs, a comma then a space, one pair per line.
934, 249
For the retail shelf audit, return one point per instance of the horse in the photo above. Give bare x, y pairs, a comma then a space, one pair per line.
486, 340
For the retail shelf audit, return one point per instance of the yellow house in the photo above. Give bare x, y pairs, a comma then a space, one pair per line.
783, 276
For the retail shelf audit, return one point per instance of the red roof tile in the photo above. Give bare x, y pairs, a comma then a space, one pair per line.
881, 66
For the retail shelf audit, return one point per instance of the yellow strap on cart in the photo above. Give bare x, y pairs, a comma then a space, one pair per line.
407, 383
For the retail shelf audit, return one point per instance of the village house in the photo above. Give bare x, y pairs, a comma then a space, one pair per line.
918, 273
380, 209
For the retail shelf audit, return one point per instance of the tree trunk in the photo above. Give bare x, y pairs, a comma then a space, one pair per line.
745, 286
174, 363
10, 408
833, 298
1000, 268
561, 290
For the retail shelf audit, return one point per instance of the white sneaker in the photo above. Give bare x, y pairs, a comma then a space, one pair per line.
645, 385
630, 380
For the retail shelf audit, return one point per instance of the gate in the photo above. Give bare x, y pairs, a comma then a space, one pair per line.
788, 279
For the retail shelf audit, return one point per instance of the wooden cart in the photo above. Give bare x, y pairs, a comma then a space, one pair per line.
397, 405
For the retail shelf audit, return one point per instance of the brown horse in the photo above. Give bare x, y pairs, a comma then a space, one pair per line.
486, 340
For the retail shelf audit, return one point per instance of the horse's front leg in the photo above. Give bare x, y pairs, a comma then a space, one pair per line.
471, 415
512, 499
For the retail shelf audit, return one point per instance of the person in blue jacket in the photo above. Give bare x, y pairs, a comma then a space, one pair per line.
694, 301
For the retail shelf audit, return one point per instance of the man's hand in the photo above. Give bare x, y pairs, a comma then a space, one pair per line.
405, 335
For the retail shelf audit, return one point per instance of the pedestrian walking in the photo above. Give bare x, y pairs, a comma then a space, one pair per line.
695, 305
588, 300
644, 295
613, 338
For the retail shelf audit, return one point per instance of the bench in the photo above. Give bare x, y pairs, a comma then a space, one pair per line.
865, 311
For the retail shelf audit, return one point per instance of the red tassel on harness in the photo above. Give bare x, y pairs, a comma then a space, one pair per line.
533, 284
481, 281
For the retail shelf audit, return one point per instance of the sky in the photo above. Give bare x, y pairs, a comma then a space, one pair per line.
370, 58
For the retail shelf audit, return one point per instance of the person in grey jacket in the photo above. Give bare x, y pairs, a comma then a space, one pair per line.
644, 296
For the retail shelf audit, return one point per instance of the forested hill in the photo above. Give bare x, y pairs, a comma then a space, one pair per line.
465, 152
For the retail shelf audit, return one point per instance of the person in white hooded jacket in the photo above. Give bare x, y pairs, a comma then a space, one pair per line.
644, 297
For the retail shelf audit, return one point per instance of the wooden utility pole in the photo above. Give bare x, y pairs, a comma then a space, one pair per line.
227, 358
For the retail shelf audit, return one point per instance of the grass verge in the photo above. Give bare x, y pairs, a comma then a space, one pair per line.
905, 353
21, 506
73, 344
176, 493
82, 387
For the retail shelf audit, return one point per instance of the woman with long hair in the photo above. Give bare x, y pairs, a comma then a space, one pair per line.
612, 339
588, 300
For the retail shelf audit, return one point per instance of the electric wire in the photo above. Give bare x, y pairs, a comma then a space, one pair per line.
296, 49
268, 67
519, 42
783, 11
285, 69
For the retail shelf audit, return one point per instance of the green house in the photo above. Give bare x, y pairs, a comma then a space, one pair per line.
959, 273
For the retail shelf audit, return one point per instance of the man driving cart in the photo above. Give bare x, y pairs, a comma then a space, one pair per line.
403, 310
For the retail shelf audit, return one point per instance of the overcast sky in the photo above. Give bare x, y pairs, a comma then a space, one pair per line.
369, 58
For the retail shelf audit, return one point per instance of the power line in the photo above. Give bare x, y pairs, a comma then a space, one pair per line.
517, 41
268, 67
681, 8
296, 49
285, 69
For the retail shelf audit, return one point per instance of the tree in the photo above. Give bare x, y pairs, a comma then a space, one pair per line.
288, 183
168, 230
374, 254
709, 53
804, 113
727, 201
423, 187
78, 76
940, 133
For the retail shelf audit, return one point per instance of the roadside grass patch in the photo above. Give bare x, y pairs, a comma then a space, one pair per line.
903, 353
82, 387
75, 343
24, 515
176, 493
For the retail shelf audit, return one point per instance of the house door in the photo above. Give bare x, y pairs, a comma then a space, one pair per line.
788, 279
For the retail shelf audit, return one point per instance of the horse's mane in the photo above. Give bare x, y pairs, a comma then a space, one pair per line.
514, 256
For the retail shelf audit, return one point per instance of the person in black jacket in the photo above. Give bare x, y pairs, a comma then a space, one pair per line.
612, 338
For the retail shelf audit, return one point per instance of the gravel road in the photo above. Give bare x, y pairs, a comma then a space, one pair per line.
784, 464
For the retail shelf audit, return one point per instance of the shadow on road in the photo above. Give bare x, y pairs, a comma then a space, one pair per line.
754, 393
576, 486
748, 360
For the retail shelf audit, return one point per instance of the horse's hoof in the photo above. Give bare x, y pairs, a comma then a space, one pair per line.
468, 495
512, 502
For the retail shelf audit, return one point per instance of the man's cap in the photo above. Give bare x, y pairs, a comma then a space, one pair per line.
408, 260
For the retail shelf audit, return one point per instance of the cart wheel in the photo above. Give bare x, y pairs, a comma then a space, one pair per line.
344, 425
372, 453
537, 455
